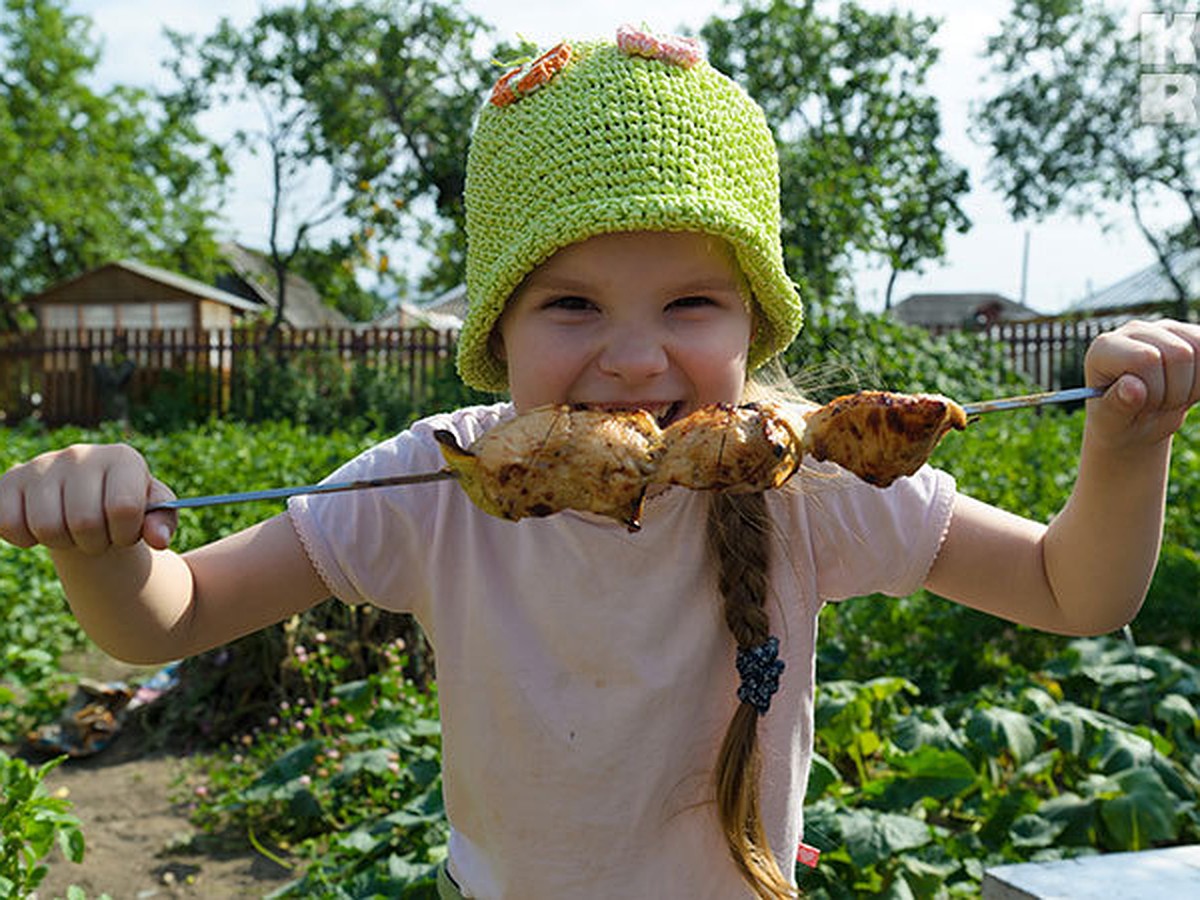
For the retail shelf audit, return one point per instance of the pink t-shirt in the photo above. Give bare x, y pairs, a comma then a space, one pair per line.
585, 674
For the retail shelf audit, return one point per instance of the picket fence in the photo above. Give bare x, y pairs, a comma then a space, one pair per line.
84, 376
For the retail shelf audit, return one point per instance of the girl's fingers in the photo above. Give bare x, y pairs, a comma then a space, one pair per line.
45, 514
83, 511
13, 527
1163, 357
1179, 356
1189, 363
1131, 392
159, 527
85, 498
125, 490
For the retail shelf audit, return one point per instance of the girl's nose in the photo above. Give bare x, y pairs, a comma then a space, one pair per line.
634, 354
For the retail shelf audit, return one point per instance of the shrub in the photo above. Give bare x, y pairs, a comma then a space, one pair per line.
344, 778
31, 823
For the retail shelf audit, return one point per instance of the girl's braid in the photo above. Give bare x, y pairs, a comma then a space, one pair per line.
739, 544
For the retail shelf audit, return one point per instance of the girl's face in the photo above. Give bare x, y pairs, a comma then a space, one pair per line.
651, 320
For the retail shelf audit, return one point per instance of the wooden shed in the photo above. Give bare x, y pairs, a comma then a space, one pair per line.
132, 295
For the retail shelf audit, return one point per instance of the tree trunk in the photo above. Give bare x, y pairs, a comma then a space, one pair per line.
887, 297
1164, 258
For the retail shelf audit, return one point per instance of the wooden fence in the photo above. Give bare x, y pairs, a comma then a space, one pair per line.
83, 377
1049, 351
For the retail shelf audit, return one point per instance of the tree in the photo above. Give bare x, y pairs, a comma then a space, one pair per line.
375, 98
857, 134
1066, 132
85, 177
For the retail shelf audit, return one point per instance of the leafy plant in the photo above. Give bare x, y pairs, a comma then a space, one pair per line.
32, 822
1079, 757
346, 779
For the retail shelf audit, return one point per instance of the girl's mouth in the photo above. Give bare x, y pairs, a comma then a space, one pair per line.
663, 413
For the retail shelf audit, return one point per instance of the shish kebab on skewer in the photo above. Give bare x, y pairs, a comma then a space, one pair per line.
564, 457
602, 461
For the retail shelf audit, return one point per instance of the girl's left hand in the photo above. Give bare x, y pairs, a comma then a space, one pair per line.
1154, 372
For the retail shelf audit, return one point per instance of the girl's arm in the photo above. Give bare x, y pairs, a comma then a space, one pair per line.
138, 600
1089, 570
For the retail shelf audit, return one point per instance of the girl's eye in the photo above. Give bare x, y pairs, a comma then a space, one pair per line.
570, 303
691, 302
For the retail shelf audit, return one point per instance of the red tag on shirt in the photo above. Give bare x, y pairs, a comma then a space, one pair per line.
807, 856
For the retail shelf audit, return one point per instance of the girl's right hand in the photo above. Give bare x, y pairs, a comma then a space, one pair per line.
90, 498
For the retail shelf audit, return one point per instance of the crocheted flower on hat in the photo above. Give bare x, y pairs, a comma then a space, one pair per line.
524, 80
679, 51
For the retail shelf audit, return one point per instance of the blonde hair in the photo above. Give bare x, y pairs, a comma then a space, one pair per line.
738, 533
739, 545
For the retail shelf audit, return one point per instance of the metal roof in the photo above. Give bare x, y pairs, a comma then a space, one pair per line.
1147, 287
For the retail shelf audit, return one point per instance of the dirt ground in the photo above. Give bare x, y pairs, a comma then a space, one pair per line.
140, 844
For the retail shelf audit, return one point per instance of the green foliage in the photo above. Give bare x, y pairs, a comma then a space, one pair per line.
36, 627
345, 779
31, 823
860, 167
318, 391
914, 800
1064, 128
1026, 462
379, 95
74, 162
841, 349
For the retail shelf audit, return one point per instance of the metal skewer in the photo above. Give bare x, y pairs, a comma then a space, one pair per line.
1067, 396
971, 409
284, 492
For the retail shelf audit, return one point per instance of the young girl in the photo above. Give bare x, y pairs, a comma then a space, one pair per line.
624, 715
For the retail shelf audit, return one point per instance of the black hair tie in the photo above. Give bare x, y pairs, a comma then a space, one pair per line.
760, 667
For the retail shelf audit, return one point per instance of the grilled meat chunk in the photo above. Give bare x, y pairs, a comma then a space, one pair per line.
560, 457
730, 448
881, 436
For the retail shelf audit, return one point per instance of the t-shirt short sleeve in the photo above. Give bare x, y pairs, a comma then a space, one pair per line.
367, 544
869, 540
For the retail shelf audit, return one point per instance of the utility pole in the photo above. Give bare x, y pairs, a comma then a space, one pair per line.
1025, 268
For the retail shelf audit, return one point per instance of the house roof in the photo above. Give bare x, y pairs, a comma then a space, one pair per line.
1146, 287
254, 277
444, 312
408, 315
67, 291
953, 309
450, 303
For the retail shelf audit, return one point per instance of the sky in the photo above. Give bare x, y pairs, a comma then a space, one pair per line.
1067, 257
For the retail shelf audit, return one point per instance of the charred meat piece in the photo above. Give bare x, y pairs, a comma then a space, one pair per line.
560, 457
730, 448
881, 436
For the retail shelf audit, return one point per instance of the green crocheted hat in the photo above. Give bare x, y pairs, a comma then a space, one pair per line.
600, 137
